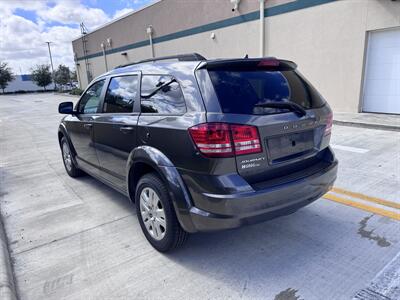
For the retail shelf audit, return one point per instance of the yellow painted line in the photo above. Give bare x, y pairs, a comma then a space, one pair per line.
372, 209
366, 198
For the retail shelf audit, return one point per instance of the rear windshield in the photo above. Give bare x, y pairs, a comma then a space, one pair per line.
242, 92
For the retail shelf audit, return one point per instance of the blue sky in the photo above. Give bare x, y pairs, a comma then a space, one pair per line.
26, 25
110, 7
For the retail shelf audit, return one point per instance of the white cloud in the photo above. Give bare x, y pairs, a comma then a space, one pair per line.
73, 12
19, 41
122, 12
61, 47
23, 42
8, 6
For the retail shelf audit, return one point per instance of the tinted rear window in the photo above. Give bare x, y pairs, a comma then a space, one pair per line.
240, 91
167, 100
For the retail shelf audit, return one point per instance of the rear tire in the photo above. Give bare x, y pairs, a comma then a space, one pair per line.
68, 160
156, 214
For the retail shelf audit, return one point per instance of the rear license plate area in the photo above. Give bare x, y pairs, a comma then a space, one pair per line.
290, 145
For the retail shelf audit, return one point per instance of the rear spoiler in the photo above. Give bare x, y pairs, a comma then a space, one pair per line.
265, 63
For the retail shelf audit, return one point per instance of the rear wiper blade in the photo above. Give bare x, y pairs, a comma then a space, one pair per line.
159, 88
299, 110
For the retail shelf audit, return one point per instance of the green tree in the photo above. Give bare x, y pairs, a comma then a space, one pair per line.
41, 75
6, 75
73, 75
62, 75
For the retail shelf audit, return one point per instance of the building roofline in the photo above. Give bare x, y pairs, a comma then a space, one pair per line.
118, 19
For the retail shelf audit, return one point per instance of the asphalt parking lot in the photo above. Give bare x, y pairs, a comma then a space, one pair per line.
78, 239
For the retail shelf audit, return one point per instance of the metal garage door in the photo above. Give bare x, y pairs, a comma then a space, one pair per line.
382, 73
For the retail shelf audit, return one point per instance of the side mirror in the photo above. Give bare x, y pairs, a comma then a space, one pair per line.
66, 108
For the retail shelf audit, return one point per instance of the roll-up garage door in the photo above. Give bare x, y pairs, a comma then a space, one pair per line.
382, 72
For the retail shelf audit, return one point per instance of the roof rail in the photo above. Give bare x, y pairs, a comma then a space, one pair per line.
180, 57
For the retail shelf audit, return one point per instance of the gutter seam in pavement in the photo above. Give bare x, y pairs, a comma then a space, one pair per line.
8, 289
367, 125
70, 235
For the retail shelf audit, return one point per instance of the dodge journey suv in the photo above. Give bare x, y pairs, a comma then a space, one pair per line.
202, 145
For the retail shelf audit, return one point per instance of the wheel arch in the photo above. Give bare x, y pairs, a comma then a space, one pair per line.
145, 159
62, 132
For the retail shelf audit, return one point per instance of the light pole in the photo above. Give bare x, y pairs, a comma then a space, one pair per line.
51, 63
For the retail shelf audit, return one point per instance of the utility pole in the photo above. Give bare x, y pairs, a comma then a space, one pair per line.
51, 63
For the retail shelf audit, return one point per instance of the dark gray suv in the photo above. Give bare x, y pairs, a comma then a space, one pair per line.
202, 145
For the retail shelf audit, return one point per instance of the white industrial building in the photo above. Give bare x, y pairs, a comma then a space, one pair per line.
24, 83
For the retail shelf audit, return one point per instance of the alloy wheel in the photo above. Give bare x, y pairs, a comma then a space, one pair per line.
153, 214
67, 156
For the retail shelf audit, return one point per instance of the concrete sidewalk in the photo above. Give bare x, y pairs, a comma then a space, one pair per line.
368, 120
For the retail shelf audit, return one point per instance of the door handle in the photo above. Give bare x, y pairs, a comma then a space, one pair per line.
88, 126
126, 129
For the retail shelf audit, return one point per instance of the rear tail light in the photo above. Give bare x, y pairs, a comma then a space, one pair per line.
225, 140
212, 139
245, 139
329, 122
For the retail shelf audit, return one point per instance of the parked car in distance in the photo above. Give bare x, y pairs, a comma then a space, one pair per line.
202, 145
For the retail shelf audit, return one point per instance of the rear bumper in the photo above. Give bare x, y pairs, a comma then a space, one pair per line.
234, 210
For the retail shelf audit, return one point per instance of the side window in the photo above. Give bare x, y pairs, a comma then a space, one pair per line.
121, 94
161, 94
91, 99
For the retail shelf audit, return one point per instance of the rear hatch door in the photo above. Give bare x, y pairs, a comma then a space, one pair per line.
290, 115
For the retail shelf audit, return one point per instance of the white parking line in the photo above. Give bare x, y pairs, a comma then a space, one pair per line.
385, 284
350, 149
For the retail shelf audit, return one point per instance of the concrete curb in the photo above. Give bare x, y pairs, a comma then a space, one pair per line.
7, 285
385, 285
67, 95
367, 125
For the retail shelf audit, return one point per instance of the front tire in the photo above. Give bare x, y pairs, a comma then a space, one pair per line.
156, 214
68, 161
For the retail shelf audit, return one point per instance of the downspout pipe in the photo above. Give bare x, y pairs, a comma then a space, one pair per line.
151, 45
150, 33
262, 35
103, 47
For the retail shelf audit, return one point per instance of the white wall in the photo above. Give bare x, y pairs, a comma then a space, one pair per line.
19, 85
328, 42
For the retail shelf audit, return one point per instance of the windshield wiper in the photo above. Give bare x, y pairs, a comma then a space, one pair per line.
296, 108
158, 89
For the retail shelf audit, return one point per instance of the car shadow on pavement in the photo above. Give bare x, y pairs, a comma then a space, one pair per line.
108, 193
280, 248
